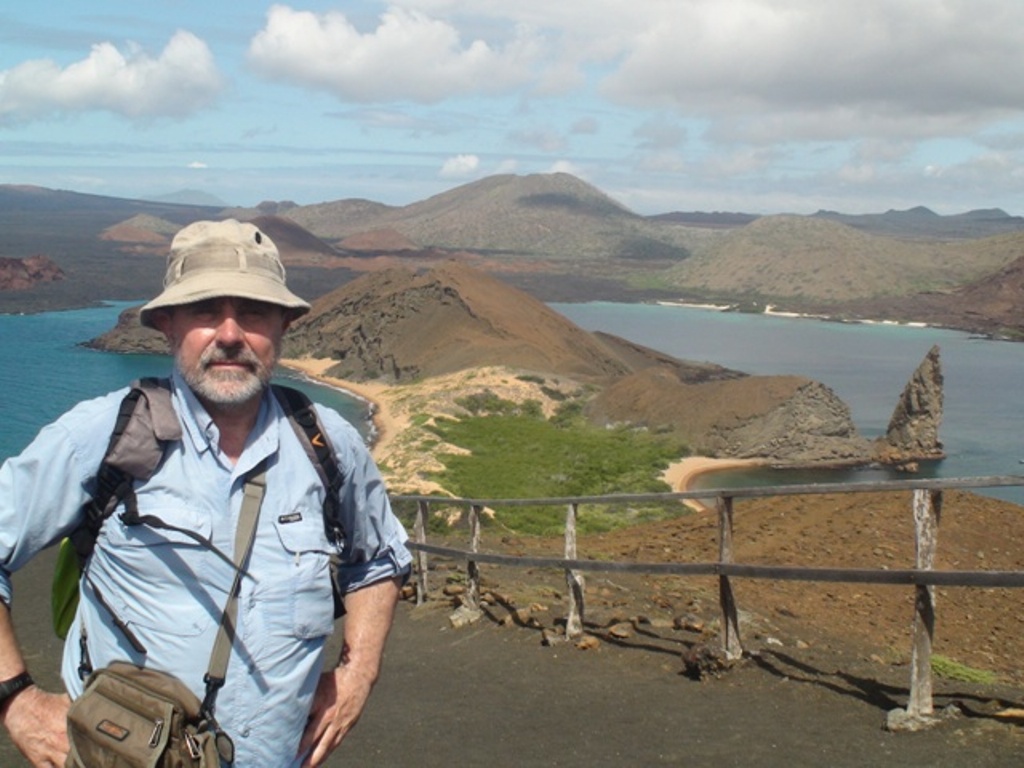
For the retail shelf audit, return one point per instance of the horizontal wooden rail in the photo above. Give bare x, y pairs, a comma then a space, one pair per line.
926, 509
771, 572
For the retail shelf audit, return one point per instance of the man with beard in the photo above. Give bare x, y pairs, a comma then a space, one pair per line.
224, 309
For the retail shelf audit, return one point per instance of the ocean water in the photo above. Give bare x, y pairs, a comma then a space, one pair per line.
44, 371
867, 365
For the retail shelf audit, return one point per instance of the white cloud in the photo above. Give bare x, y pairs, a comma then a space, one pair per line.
567, 166
409, 56
181, 81
460, 167
198, 165
927, 67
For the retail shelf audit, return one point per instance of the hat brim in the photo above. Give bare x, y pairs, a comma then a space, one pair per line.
206, 285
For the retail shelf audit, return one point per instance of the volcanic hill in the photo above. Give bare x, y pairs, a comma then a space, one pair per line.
400, 326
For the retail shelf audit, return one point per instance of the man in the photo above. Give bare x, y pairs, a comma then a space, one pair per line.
224, 309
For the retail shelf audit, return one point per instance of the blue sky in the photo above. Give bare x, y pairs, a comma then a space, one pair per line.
762, 106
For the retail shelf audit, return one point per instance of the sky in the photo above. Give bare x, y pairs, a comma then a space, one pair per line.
760, 106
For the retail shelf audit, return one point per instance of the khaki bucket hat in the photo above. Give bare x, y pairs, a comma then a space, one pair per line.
210, 259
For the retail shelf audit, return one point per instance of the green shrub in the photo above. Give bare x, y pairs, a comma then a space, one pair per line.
519, 457
945, 667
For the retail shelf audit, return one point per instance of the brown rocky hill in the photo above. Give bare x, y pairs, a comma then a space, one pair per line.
788, 419
399, 325
23, 274
552, 216
794, 259
993, 306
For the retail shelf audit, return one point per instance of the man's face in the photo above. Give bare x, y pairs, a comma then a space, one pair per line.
225, 348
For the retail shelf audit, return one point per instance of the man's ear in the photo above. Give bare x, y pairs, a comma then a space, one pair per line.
161, 320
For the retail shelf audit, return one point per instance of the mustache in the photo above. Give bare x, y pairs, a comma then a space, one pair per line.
238, 355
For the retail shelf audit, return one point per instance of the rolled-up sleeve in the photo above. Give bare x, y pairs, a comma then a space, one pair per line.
375, 540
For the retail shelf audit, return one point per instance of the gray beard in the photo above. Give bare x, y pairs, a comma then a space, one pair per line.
227, 389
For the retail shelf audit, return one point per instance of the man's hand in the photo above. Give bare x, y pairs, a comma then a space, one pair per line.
37, 723
337, 704
341, 694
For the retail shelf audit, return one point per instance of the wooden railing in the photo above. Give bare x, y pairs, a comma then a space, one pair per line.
927, 498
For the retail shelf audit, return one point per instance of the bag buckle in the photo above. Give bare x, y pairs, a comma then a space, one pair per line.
158, 727
192, 744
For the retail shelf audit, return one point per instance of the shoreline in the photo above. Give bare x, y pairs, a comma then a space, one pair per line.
680, 474
388, 424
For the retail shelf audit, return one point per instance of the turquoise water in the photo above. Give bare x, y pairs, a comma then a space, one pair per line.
867, 365
44, 371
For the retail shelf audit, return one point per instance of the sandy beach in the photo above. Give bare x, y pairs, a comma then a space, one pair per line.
391, 417
386, 422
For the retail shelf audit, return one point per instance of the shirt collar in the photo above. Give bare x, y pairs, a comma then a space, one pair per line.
200, 429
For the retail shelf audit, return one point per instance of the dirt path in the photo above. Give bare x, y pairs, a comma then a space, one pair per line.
492, 694
489, 695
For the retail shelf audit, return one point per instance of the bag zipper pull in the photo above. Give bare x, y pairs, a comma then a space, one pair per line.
193, 746
158, 726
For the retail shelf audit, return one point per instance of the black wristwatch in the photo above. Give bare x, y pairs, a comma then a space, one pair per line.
16, 684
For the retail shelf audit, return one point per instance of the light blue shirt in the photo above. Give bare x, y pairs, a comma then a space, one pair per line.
171, 591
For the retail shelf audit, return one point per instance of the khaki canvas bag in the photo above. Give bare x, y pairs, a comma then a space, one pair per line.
129, 717
132, 717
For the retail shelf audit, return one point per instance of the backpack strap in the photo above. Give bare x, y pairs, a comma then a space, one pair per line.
302, 416
145, 423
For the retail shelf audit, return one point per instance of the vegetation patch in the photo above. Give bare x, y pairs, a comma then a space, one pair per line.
514, 453
947, 668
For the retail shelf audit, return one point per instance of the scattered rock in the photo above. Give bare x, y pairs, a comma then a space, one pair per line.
899, 720
588, 643
463, 616
621, 631
689, 622
702, 661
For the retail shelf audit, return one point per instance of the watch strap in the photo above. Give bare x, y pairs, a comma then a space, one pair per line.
16, 684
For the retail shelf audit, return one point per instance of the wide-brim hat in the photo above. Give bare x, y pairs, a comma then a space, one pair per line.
211, 259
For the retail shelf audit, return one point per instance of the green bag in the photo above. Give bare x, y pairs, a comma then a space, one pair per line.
67, 573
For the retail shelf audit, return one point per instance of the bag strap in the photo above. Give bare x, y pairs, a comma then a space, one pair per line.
302, 416
145, 423
245, 535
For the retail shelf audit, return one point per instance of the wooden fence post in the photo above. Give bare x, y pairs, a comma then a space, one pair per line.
472, 567
730, 630
573, 578
927, 510
420, 532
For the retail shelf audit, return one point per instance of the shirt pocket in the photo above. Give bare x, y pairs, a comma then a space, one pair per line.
308, 601
162, 579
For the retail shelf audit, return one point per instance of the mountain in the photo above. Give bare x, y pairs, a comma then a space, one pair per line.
553, 235
989, 306
399, 325
550, 216
797, 259
922, 222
